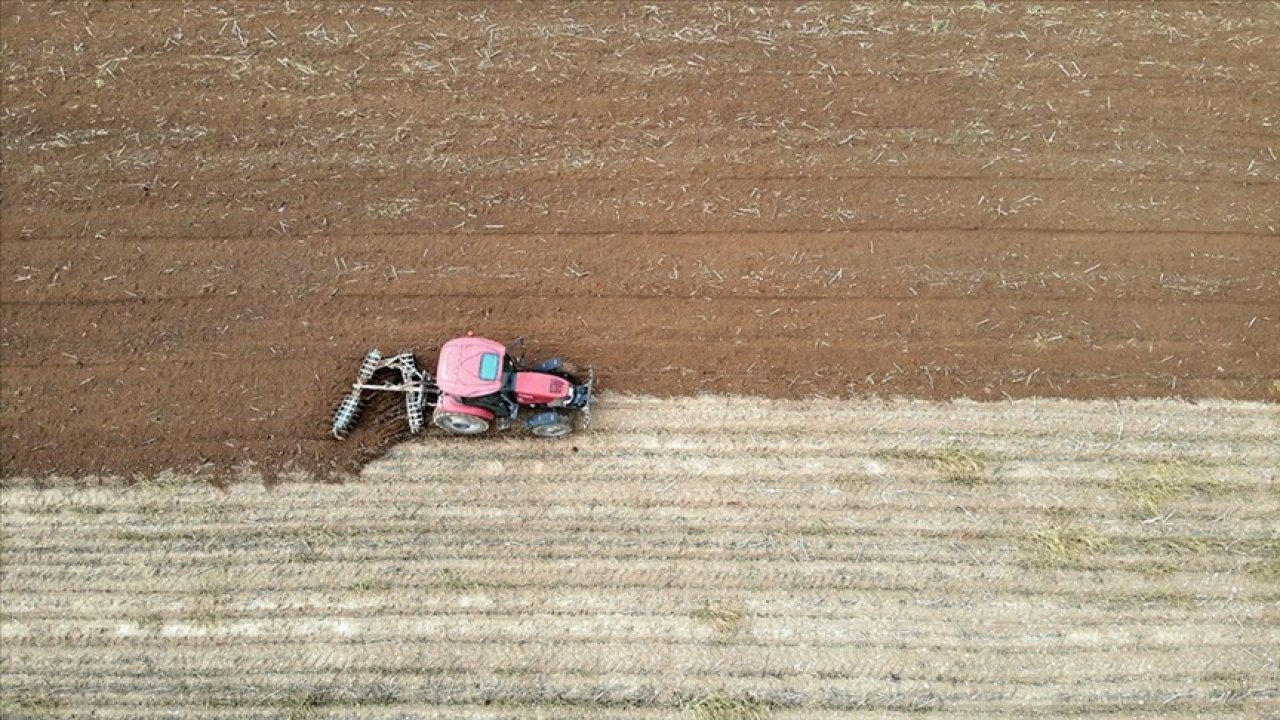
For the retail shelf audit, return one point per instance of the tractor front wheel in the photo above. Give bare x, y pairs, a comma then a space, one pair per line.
460, 423
550, 425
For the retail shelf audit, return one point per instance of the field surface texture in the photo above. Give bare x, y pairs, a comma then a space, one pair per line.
707, 558
212, 209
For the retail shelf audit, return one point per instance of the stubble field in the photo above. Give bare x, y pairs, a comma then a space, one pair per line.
710, 558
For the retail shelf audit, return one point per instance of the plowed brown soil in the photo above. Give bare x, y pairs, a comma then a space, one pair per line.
211, 211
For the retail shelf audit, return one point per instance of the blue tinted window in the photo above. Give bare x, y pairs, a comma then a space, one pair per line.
489, 366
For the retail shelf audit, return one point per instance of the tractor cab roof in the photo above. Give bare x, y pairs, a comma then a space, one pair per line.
471, 367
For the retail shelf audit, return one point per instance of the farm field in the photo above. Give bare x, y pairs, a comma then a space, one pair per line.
212, 210
706, 558
938, 343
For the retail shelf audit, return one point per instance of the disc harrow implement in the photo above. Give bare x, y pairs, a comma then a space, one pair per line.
419, 388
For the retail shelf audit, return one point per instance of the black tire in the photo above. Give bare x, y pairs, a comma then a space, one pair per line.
556, 430
460, 423
550, 425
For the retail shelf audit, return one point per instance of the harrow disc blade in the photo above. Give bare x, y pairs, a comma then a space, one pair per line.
348, 412
413, 403
371, 363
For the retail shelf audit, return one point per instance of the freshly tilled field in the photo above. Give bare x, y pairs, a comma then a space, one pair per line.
212, 210
710, 558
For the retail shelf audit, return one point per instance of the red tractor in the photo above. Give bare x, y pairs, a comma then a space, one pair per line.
477, 384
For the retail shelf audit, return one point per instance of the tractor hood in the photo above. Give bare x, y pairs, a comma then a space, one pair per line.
471, 367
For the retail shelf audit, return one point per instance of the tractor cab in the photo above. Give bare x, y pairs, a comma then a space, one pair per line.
478, 372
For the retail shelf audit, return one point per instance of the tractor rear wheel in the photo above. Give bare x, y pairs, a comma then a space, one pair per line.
460, 423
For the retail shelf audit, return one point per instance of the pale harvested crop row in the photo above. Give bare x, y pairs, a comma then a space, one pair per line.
1043, 558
